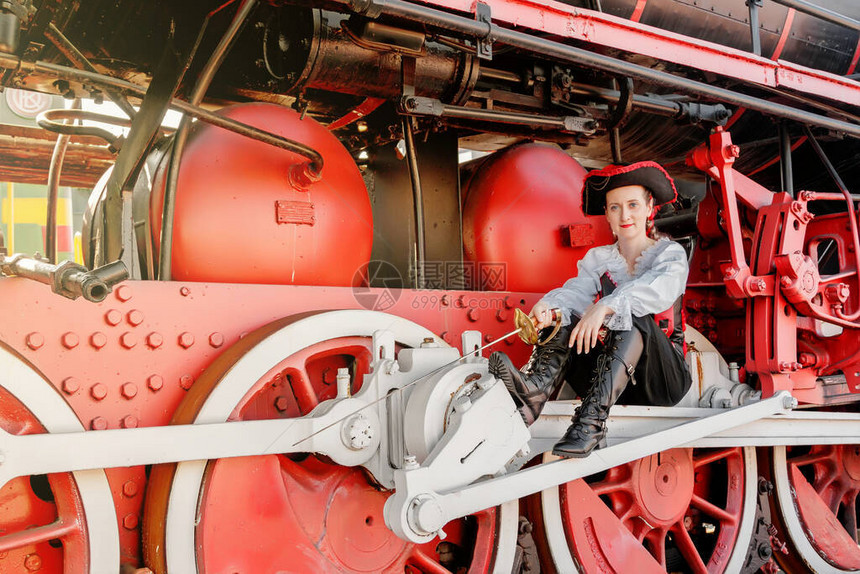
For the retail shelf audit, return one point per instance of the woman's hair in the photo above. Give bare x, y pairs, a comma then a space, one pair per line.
650, 229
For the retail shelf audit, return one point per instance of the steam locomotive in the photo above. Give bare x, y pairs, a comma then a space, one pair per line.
272, 358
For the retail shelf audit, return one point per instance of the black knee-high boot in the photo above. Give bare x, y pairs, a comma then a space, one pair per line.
615, 367
532, 387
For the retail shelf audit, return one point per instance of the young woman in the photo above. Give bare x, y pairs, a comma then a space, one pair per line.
621, 315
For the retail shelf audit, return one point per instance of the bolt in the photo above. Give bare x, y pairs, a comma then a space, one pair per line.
502, 315
71, 385
184, 291
98, 391
98, 423
70, 340
113, 317
127, 340
154, 340
33, 562
98, 340
123, 293
130, 521
216, 339
186, 340
410, 462
129, 390
134, 317
785, 281
130, 488
155, 382
35, 341
733, 151
281, 403
185, 381
473, 315
128, 422
411, 103
488, 338
509, 303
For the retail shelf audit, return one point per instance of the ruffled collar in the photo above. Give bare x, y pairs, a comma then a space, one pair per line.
645, 261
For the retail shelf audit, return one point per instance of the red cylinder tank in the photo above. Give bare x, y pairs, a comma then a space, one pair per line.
523, 208
239, 219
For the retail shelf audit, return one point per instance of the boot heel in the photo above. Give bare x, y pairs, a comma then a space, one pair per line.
602, 443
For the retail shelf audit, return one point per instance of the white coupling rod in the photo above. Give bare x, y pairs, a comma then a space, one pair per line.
488, 494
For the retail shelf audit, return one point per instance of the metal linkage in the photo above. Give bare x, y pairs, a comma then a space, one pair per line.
68, 278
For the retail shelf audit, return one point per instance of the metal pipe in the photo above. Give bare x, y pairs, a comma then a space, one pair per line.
819, 12
68, 278
74, 55
852, 219
578, 56
499, 75
786, 171
417, 200
203, 81
661, 106
54, 171
755, 37
45, 121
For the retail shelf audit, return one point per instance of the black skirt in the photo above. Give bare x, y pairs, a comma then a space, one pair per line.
662, 377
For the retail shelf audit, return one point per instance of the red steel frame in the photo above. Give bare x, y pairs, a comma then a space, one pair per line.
548, 16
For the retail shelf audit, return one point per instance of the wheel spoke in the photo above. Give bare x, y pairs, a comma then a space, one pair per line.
712, 510
657, 540
714, 456
57, 529
810, 458
427, 564
688, 549
851, 514
608, 486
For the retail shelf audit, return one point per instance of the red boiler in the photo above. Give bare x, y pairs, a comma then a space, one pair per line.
241, 219
523, 208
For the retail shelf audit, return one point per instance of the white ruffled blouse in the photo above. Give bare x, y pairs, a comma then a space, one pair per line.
658, 279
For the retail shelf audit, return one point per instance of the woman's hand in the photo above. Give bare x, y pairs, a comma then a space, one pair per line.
542, 315
584, 334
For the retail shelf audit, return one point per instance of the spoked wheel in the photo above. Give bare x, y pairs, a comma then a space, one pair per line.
57, 523
681, 510
816, 491
298, 513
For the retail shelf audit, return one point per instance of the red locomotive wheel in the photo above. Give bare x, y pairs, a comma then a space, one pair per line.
679, 510
298, 513
816, 489
60, 523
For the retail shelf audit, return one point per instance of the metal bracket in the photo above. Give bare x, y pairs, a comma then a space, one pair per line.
484, 44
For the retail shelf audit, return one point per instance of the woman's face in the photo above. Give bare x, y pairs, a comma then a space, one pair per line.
628, 209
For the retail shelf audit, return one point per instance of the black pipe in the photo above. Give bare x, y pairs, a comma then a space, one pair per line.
578, 56
755, 36
45, 120
54, 171
203, 81
417, 199
819, 12
786, 171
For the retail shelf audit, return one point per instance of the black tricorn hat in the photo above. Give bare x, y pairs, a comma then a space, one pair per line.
648, 174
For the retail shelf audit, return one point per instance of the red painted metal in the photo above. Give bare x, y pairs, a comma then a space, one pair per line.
229, 226
523, 208
826, 482
41, 521
629, 519
564, 21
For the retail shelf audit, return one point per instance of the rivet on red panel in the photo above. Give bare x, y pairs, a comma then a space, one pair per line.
184, 291
186, 340
129, 390
154, 340
33, 562
129, 422
71, 385
127, 340
134, 317
281, 403
473, 315
130, 488
216, 339
155, 382
35, 340
123, 293
113, 317
98, 423
185, 381
130, 521
98, 340
70, 340
98, 391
